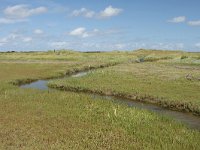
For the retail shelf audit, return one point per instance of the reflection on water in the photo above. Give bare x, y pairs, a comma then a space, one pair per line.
40, 84
81, 74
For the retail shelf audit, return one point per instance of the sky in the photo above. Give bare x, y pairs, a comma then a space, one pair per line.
99, 25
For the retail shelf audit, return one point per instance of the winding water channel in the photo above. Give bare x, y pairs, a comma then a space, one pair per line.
188, 119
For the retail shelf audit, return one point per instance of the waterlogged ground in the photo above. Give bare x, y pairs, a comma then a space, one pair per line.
34, 119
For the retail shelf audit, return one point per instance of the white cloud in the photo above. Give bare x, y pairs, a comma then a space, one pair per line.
84, 33
120, 46
106, 13
194, 23
197, 45
103, 46
167, 46
38, 31
14, 38
27, 39
179, 19
83, 12
179, 45
1, 44
159, 46
59, 44
109, 12
3, 41
10, 21
6, 21
80, 32
96, 30
22, 11
182, 19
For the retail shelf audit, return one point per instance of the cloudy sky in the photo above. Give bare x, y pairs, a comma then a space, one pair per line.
88, 25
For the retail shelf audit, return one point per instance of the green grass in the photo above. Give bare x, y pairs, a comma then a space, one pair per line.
174, 57
161, 83
64, 56
33, 119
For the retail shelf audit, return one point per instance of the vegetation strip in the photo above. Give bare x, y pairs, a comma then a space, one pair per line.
147, 99
68, 73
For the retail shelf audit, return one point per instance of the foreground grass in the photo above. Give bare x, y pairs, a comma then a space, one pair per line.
162, 83
40, 120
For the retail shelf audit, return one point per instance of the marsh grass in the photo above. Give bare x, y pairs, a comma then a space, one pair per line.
59, 120
160, 83
33, 119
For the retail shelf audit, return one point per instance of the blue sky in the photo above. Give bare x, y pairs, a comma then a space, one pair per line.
88, 25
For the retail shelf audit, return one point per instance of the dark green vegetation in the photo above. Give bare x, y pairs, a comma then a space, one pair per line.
33, 119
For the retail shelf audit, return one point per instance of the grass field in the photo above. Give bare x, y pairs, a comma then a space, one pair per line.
34, 119
155, 82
